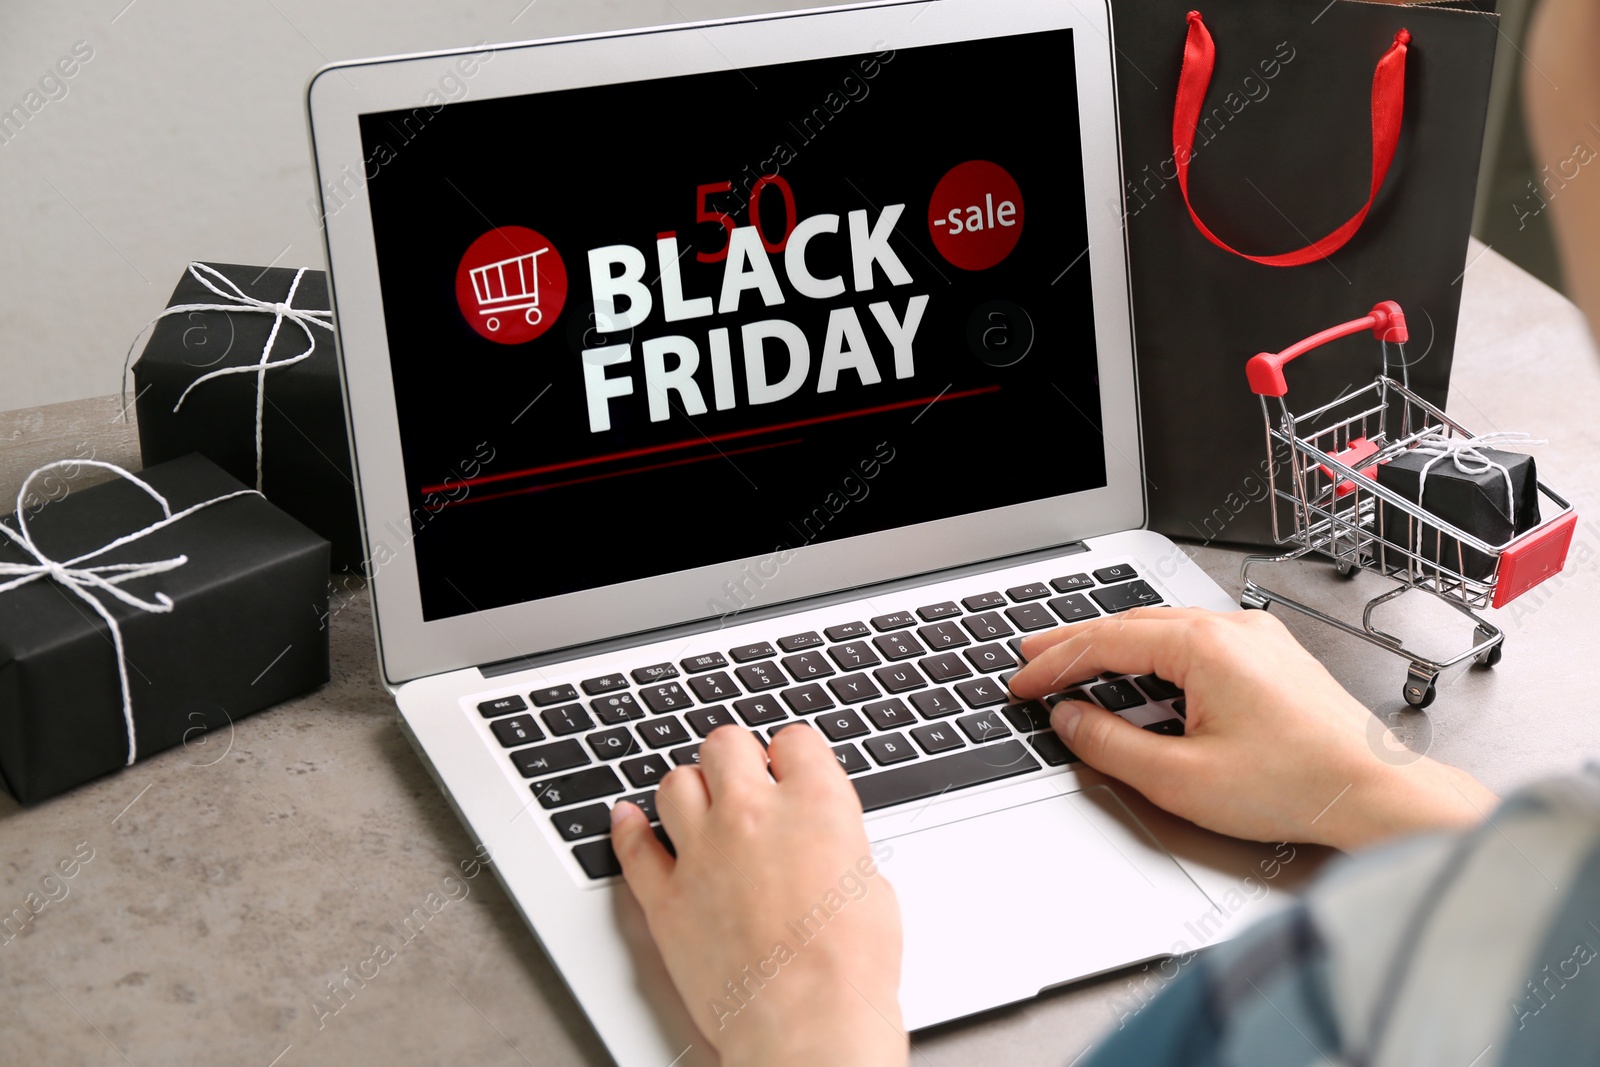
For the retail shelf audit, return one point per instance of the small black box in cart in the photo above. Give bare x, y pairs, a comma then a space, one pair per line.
304, 453
1478, 503
245, 629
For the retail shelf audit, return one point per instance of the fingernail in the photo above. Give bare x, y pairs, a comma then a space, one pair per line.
621, 810
1064, 717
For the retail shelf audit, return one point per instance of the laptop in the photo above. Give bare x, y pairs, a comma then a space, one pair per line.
768, 371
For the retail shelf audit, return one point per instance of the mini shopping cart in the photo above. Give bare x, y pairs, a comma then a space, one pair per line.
1323, 467
507, 286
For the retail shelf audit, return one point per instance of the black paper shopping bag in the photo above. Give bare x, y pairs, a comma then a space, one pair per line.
1288, 163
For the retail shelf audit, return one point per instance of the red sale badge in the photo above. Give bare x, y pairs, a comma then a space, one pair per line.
975, 216
511, 284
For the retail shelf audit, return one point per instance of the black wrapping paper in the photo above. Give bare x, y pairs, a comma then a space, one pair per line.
1473, 503
306, 467
246, 630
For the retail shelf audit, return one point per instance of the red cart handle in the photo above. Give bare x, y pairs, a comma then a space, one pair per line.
1265, 371
1388, 108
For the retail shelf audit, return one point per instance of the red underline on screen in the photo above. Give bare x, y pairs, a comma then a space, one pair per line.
618, 474
732, 435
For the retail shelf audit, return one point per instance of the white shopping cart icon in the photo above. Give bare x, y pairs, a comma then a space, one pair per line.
507, 286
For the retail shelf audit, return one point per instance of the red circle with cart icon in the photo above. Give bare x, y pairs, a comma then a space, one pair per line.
511, 285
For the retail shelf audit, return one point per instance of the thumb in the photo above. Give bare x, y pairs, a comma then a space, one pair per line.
645, 863
1114, 746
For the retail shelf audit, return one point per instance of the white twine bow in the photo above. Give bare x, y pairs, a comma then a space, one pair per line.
84, 580
1463, 453
305, 318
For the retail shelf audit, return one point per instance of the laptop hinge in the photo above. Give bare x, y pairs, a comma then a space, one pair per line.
771, 611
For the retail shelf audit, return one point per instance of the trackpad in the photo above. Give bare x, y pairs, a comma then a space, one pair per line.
1001, 906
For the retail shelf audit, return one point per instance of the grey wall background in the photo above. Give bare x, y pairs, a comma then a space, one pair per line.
182, 138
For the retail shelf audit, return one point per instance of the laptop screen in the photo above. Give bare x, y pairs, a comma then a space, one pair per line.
650, 326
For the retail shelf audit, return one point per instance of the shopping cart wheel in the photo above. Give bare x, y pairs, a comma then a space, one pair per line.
1251, 600
1419, 689
1489, 656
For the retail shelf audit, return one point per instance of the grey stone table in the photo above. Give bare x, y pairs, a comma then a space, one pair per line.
229, 882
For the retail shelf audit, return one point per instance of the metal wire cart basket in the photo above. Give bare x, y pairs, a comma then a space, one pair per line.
1323, 467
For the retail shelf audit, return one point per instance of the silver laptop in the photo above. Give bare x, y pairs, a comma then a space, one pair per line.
768, 371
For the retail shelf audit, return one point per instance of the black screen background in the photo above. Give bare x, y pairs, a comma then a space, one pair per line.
618, 164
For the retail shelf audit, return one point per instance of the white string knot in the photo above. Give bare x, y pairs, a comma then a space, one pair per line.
1464, 455
237, 300
89, 583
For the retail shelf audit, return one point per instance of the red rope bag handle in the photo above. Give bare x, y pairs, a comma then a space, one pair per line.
1388, 109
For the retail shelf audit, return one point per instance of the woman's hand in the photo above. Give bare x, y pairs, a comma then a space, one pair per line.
1273, 748
779, 932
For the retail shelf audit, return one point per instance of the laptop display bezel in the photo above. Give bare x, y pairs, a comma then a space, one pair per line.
409, 646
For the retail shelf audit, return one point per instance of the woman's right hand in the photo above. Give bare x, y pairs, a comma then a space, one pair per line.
1273, 750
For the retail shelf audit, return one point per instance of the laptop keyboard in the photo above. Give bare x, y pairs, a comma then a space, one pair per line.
914, 704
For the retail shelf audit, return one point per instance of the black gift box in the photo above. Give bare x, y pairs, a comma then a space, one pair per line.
1473, 503
245, 631
305, 451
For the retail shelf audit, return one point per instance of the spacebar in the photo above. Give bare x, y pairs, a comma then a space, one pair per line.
930, 777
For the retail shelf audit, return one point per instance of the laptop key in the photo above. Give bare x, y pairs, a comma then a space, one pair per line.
984, 726
553, 695
588, 784
1170, 727
842, 725
610, 744
1157, 688
987, 627
983, 602
1117, 696
713, 687
518, 730
710, 661
546, 759
990, 658
799, 642
934, 612
1181, 706
937, 737
659, 733
936, 703
1073, 607
645, 802
898, 646
806, 666
898, 620
658, 673
1072, 583
899, 678
942, 635
1052, 749
854, 655
1072, 694
982, 692
944, 667
854, 688
889, 714
686, 754
851, 759
599, 860
931, 777
1115, 598
758, 711
845, 631
746, 653
645, 770
664, 698
758, 677
595, 686
616, 710
1031, 591
1029, 617
1028, 717
1119, 572
502, 706
890, 749
704, 720
589, 821
773, 732
567, 719
805, 699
